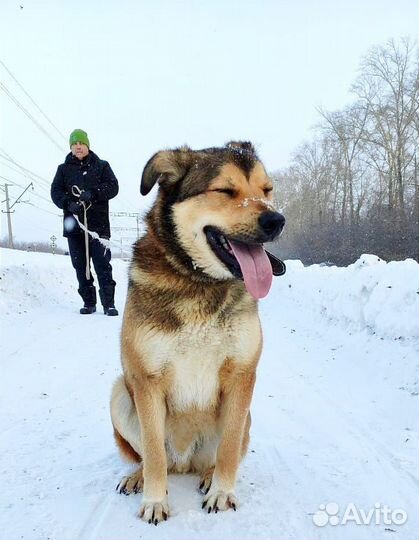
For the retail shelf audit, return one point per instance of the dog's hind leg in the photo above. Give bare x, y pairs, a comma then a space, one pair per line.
205, 480
126, 450
246, 436
127, 435
204, 460
132, 483
125, 422
207, 456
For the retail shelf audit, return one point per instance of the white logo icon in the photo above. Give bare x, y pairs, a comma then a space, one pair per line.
328, 514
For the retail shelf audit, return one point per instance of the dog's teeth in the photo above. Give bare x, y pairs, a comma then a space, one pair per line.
224, 242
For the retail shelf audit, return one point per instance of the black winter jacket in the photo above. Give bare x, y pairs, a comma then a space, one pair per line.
91, 173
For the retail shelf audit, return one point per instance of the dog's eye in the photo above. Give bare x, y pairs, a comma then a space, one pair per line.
228, 191
267, 190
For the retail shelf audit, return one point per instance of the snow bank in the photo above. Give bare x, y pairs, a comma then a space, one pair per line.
372, 295
30, 280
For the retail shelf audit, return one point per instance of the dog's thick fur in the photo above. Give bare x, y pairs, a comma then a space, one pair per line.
191, 337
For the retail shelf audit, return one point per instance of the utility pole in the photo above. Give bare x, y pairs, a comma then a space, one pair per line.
9, 210
9, 219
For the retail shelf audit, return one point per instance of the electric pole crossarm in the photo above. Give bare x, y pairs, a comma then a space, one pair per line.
21, 195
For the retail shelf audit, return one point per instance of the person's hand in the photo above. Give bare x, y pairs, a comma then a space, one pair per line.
88, 196
73, 207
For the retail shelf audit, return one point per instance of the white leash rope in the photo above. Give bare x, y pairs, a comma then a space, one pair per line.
76, 191
105, 243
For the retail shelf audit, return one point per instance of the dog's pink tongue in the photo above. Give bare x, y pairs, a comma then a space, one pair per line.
256, 268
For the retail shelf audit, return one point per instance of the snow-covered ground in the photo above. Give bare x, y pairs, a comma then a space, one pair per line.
335, 411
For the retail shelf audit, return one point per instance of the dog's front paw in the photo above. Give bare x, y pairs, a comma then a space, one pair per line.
219, 500
154, 512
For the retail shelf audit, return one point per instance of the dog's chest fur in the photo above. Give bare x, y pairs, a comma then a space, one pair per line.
192, 357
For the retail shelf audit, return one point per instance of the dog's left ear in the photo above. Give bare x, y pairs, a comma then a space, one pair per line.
166, 167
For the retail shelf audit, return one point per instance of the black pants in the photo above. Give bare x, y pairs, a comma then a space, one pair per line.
101, 260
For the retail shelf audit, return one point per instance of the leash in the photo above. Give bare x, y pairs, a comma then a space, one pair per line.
106, 243
76, 191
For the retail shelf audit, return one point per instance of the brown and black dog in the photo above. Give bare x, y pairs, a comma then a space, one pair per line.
191, 336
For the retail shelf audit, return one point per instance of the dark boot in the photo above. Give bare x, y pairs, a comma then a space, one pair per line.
89, 298
111, 311
107, 295
87, 310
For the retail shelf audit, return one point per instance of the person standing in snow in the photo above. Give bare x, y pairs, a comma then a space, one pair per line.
82, 182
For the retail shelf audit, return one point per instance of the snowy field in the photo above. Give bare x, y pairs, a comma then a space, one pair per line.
335, 412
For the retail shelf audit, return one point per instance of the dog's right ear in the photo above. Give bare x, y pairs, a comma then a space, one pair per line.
166, 167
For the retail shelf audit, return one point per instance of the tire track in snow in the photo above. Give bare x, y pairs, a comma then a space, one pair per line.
93, 523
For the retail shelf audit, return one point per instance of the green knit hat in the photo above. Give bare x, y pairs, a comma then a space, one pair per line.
78, 135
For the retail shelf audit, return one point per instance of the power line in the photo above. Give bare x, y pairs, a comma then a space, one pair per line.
8, 180
18, 104
124, 214
28, 114
20, 185
35, 177
33, 192
25, 175
43, 209
123, 228
8, 157
32, 100
36, 225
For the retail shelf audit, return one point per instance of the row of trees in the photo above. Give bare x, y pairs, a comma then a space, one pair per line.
354, 188
39, 247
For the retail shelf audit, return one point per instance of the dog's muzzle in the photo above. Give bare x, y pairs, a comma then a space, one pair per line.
271, 225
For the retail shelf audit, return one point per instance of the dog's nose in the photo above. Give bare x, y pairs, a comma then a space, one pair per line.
271, 223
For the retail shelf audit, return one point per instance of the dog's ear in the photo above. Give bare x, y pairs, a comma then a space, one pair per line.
166, 167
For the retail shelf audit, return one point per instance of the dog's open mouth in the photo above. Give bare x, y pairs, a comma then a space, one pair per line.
250, 262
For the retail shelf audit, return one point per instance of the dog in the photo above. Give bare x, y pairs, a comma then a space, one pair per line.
191, 336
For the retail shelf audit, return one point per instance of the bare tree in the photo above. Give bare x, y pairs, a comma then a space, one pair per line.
354, 187
348, 126
388, 86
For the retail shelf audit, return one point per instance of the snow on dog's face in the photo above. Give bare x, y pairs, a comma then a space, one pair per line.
214, 212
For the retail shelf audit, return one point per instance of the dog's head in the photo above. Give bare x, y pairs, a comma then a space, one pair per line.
214, 212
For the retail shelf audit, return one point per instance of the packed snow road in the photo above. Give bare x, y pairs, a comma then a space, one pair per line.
335, 412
